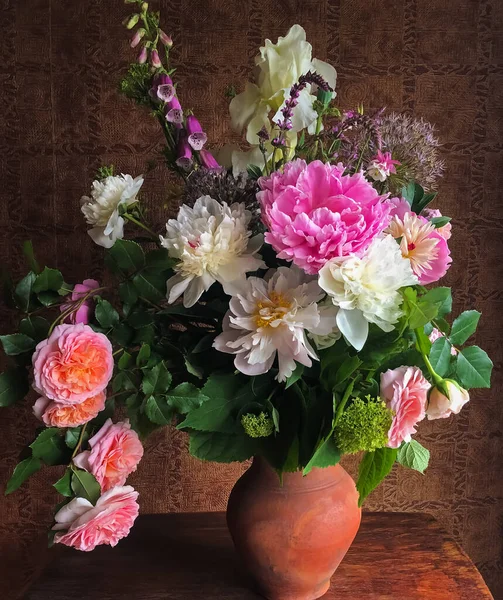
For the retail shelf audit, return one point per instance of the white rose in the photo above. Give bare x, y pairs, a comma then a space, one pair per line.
441, 406
102, 208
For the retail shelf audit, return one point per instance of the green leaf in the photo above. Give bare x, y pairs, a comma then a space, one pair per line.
295, 376
473, 368
160, 259
158, 410
219, 447
156, 381
143, 355
326, 455
414, 456
35, 327
185, 397
347, 368
50, 447
48, 280
84, 485
440, 221
128, 293
423, 341
106, 315
374, 467
72, 436
13, 386
17, 343
125, 380
254, 172
151, 285
122, 334
464, 326
23, 470
139, 318
127, 255
48, 298
64, 485
419, 311
24, 292
440, 356
441, 296
124, 361
29, 254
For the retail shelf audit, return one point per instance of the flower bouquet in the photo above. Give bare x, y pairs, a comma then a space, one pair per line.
284, 313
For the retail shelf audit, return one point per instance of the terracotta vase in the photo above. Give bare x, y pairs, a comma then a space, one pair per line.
292, 536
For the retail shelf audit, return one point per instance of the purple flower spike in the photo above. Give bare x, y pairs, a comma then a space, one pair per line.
208, 160
165, 38
137, 37
155, 60
142, 57
184, 160
165, 92
158, 81
174, 112
197, 137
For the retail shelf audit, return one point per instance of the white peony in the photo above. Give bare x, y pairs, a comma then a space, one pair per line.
366, 289
102, 209
278, 67
270, 317
212, 243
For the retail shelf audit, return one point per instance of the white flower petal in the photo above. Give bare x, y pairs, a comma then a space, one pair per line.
176, 286
354, 327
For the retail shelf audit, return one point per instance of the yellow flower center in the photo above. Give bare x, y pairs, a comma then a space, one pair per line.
267, 312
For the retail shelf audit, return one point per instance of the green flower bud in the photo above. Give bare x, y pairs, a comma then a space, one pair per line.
132, 21
364, 425
257, 426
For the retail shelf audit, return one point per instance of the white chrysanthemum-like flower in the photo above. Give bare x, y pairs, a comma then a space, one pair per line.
270, 317
212, 243
102, 209
366, 289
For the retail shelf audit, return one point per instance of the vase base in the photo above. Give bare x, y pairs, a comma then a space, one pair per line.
291, 595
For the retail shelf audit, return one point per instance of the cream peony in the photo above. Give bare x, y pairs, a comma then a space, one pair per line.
270, 317
102, 208
212, 243
366, 289
278, 67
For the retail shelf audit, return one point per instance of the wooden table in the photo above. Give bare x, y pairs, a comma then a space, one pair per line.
190, 557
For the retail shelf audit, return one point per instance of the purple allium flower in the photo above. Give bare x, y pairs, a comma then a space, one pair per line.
136, 39
142, 57
184, 152
165, 39
155, 60
197, 137
208, 160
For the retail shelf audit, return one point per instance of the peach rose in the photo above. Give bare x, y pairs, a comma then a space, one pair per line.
88, 526
405, 392
56, 414
73, 364
440, 406
115, 453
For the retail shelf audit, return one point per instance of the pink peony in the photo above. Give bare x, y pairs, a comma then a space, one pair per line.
83, 313
399, 207
88, 526
315, 213
441, 407
432, 213
56, 414
73, 364
405, 391
115, 453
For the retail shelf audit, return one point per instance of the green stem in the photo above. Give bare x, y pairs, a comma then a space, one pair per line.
344, 401
129, 217
73, 308
79, 442
360, 158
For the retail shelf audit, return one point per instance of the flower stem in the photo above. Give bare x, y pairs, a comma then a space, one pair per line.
79, 442
343, 402
129, 217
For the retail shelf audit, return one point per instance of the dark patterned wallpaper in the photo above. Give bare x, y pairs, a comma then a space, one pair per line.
60, 62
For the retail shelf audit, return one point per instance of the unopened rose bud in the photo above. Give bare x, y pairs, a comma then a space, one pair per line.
155, 60
165, 38
136, 39
142, 57
132, 21
446, 399
197, 137
208, 160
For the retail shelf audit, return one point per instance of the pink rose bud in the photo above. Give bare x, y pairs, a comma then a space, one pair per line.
155, 60
82, 314
174, 112
442, 406
184, 160
142, 57
197, 137
165, 39
208, 160
137, 37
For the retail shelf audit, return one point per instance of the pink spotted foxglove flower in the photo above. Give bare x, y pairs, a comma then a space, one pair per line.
315, 213
184, 153
382, 166
421, 243
405, 392
208, 160
115, 453
197, 138
82, 314
83, 526
174, 112
211, 242
270, 317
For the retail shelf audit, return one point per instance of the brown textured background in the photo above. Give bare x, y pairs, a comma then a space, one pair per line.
60, 62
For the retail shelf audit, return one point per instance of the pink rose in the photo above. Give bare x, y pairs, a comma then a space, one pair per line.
88, 526
73, 364
83, 313
441, 407
115, 453
56, 414
405, 392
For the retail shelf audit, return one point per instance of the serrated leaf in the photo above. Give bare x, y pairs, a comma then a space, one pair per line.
13, 386
124, 361
143, 355
185, 397
50, 447
326, 455
23, 470
157, 380
48, 298
128, 293
122, 334
474, 368
160, 259
127, 255
48, 280
64, 485
374, 467
219, 447
151, 285
35, 327
158, 410
440, 356
106, 315
16, 343
464, 326
72, 436
414, 456
84, 485
23, 292
442, 296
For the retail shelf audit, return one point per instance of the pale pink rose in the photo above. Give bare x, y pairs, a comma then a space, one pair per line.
440, 406
115, 453
435, 334
315, 213
431, 213
56, 414
88, 526
83, 313
405, 392
73, 364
